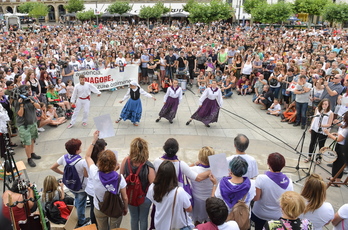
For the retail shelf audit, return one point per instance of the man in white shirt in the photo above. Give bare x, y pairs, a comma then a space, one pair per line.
75, 64
241, 143
81, 97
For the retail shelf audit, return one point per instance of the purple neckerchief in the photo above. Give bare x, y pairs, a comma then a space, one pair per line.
233, 193
279, 178
204, 166
175, 157
4, 100
214, 90
110, 181
71, 158
174, 89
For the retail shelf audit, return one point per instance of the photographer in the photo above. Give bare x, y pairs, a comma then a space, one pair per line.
25, 108
67, 71
171, 64
266, 98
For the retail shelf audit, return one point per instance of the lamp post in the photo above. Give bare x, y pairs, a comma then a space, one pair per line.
239, 6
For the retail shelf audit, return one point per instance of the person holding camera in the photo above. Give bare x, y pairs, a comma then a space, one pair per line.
25, 108
67, 71
171, 64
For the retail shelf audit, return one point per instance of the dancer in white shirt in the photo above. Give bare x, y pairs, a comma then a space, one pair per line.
209, 105
172, 100
81, 98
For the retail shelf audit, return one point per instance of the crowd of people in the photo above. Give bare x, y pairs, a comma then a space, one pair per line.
300, 71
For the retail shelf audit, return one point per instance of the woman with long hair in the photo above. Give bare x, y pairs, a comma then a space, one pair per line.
322, 119
339, 137
172, 99
317, 211
138, 159
105, 178
172, 202
52, 190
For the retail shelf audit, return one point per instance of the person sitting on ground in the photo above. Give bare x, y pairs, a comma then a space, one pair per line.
226, 88
202, 87
153, 88
245, 88
218, 213
240, 84
52, 113
275, 108
265, 99
289, 115
53, 190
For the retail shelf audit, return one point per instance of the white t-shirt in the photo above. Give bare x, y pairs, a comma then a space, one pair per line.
185, 169
201, 190
99, 189
248, 198
163, 213
343, 133
253, 169
268, 208
80, 166
343, 213
230, 225
320, 216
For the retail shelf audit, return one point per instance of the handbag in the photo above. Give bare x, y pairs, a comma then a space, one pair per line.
112, 204
186, 184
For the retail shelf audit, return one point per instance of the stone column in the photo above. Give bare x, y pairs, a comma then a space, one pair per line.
56, 12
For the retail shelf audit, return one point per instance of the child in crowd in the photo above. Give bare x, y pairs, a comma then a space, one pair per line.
69, 89
61, 89
275, 108
202, 87
245, 88
153, 88
55, 120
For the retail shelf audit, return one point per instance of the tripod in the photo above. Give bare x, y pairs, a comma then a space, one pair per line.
10, 164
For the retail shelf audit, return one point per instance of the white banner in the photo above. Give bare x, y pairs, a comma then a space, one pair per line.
109, 78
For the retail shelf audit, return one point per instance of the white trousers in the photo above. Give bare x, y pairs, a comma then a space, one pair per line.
79, 104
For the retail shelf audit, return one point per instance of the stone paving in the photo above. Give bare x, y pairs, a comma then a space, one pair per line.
50, 144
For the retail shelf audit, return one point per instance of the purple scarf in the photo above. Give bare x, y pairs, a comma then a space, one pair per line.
279, 178
214, 90
71, 158
204, 166
175, 157
174, 89
110, 181
233, 193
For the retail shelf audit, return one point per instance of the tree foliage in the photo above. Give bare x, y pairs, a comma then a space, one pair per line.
120, 8
86, 15
215, 10
336, 12
74, 6
34, 9
249, 5
161, 6
190, 3
148, 12
272, 13
26, 7
313, 7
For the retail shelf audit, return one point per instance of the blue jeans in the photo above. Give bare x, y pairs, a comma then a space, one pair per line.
228, 94
139, 215
91, 213
80, 204
301, 110
275, 91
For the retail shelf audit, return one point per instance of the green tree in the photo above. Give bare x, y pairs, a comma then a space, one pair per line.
86, 15
190, 3
120, 8
336, 13
249, 5
74, 6
161, 6
148, 12
215, 10
26, 7
311, 7
272, 13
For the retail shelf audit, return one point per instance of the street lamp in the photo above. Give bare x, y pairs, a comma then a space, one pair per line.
240, 3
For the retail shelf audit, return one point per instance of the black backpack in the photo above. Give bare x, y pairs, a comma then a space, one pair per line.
53, 213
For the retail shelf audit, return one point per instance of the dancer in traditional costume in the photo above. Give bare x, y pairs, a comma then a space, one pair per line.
209, 105
171, 102
133, 108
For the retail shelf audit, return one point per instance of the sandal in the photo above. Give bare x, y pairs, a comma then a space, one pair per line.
335, 185
318, 161
308, 159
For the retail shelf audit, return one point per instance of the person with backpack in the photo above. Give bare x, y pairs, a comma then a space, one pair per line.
110, 196
74, 176
139, 174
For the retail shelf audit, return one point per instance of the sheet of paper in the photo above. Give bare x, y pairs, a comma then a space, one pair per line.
104, 125
344, 101
218, 165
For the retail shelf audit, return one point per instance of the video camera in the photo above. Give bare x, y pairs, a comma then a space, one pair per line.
64, 64
21, 92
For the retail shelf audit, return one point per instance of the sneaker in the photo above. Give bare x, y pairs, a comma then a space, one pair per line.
303, 127
296, 124
70, 126
86, 222
84, 124
31, 162
41, 129
36, 157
